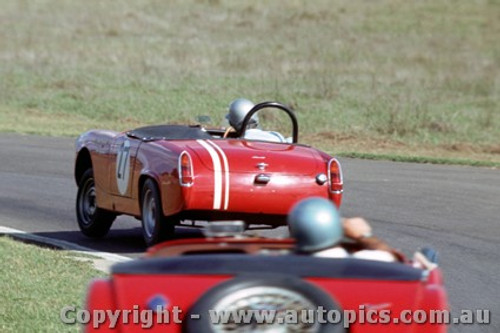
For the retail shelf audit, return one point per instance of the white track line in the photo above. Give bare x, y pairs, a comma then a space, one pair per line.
61, 244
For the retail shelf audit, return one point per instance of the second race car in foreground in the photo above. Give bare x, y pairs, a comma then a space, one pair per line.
248, 284
168, 173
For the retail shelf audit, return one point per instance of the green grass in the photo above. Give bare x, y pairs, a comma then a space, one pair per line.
36, 284
420, 159
424, 75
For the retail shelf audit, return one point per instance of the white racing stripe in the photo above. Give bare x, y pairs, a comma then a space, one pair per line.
226, 173
217, 173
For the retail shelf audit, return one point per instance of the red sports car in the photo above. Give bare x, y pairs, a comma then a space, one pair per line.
168, 173
250, 284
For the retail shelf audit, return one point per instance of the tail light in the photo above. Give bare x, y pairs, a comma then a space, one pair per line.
186, 169
335, 176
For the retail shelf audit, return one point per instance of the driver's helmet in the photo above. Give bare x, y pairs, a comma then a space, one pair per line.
315, 224
238, 109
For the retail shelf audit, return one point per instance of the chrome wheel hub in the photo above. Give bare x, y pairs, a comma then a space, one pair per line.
278, 302
149, 213
87, 203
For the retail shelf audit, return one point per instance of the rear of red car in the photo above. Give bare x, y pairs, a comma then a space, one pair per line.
189, 293
253, 179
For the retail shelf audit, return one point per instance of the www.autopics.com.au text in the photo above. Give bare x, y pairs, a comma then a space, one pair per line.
364, 315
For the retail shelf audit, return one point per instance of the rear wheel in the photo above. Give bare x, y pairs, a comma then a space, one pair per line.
155, 226
93, 221
282, 295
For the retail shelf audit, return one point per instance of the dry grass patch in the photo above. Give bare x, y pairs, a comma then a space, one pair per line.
423, 74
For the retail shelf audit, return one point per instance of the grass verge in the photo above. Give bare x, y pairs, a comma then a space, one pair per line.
420, 159
36, 284
414, 74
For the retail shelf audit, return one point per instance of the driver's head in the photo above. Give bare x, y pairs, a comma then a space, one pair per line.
238, 109
315, 224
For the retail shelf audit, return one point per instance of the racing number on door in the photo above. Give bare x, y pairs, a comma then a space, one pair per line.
123, 167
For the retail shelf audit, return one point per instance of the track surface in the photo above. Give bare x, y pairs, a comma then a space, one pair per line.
454, 209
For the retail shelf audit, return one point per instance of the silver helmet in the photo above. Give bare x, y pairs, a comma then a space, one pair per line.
315, 224
238, 109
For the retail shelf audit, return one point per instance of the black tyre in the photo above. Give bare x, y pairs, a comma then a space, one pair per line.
93, 221
278, 294
155, 226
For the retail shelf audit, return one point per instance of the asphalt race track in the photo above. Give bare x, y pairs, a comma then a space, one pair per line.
454, 209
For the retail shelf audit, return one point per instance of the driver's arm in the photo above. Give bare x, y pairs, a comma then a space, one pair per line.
358, 229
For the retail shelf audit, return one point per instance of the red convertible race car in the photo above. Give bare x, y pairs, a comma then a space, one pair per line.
249, 284
168, 173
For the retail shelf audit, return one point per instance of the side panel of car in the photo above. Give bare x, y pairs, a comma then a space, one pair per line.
98, 144
160, 162
122, 163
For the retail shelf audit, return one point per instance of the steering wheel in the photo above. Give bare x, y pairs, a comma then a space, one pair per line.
276, 105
